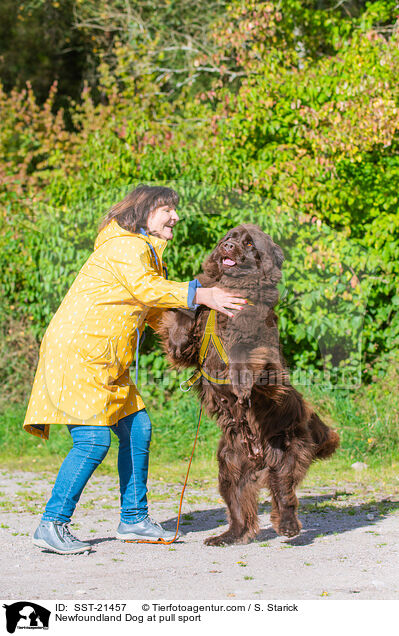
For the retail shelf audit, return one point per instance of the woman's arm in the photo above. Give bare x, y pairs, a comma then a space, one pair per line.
133, 268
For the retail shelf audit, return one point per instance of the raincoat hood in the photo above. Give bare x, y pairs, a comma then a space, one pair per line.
114, 230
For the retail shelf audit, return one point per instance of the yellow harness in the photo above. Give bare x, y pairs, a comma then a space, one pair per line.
210, 336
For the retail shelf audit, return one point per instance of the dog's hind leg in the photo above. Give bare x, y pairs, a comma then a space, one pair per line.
248, 502
242, 506
283, 478
241, 496
284, 505
229, 476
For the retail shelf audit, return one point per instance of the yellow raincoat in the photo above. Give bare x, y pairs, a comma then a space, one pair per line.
83, 371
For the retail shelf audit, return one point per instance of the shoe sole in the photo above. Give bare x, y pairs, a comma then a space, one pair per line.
140, 537
40, 543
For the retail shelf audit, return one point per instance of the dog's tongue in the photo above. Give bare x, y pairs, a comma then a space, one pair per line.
228, 261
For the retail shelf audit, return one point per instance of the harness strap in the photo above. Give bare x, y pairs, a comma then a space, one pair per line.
210, 337
191, 381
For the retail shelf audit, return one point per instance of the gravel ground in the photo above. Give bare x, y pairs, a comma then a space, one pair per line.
348, 548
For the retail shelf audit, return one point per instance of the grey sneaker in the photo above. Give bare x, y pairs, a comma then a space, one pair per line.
55, 536
145, 529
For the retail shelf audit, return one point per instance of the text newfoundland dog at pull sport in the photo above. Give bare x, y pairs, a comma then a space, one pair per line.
270, 435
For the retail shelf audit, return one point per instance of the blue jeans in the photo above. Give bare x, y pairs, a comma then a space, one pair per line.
90, 446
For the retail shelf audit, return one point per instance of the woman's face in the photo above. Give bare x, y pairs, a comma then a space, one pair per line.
161, 222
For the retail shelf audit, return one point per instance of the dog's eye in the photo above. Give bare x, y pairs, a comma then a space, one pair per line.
249, 244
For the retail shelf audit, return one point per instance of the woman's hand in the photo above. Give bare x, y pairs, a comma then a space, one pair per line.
220, 299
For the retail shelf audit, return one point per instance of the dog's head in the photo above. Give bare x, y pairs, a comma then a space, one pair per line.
245, 250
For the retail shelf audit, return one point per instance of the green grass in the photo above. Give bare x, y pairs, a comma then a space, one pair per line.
367, 420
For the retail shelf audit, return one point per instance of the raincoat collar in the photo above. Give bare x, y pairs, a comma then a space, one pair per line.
114, 230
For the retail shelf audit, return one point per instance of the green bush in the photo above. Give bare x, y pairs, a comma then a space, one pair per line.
288, 119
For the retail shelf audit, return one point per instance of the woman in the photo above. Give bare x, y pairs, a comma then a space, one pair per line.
83, 379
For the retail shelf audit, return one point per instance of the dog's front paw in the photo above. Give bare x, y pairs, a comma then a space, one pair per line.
226, 538
215, 541
289, 527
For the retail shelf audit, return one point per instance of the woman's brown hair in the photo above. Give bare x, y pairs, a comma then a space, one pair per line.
132, 212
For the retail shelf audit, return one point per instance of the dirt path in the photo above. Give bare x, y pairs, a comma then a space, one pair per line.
348, 548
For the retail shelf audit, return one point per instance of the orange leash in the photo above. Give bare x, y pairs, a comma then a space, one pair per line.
181, 496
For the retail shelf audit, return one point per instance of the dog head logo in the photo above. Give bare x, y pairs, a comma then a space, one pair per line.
26, 615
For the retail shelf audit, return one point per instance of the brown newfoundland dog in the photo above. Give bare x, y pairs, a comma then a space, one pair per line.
270, 435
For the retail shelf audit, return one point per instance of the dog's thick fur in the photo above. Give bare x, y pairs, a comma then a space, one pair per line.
270, 435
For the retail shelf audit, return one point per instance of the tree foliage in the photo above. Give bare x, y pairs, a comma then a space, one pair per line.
283, 113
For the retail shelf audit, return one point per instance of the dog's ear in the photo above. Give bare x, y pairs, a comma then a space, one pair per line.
210, 267
278, 255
